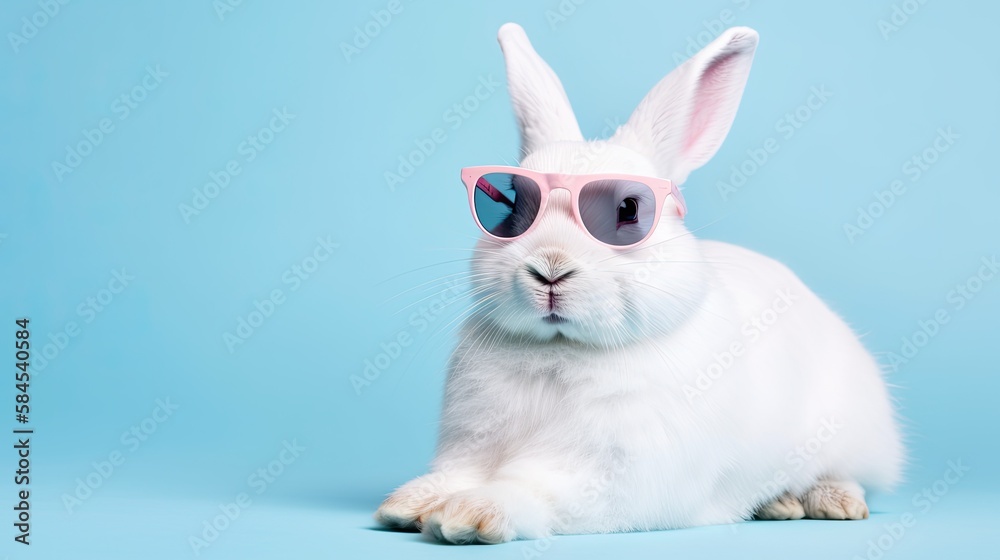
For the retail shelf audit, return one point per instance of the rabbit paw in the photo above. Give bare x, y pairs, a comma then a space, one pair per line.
833, 499
490, 514
785, 506
404, 507
467, 518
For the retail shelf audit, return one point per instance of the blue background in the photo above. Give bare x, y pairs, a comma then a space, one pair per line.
323, 176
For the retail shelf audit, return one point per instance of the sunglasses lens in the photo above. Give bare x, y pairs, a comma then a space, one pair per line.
618, 212
506, 204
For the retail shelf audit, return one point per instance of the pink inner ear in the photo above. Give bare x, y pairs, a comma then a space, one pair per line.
714, 91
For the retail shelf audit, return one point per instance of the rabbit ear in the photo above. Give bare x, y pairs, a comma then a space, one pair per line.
682, 122
540, 103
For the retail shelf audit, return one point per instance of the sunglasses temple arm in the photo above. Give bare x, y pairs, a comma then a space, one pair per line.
679, 199
492, 192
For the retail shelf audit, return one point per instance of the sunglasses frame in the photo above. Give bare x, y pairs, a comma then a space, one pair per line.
574, 183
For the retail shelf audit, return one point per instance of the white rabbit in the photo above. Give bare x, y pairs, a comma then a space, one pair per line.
691, 382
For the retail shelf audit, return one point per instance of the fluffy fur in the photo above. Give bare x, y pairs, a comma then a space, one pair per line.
690, 382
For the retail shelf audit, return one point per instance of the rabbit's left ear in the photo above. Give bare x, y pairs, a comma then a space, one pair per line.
540, 103
681, 123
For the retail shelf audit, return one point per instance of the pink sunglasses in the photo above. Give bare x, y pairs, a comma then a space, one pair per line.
615, 209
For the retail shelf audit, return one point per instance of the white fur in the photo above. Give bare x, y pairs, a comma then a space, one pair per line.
540, 103
609, 422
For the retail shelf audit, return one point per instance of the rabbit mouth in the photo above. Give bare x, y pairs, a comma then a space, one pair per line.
554, 319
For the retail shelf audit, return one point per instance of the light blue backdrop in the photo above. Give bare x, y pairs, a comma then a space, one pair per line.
170, 170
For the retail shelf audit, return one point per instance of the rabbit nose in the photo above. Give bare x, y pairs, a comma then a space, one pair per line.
548, 279
549, 268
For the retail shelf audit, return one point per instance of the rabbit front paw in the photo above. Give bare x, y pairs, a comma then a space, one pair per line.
835, 499
489, 514
467, 518
404, 507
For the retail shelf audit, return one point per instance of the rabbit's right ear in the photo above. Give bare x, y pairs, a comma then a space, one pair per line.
682, 122
543, 111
